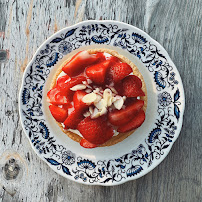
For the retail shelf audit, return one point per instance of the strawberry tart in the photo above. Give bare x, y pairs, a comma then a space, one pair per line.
98, 98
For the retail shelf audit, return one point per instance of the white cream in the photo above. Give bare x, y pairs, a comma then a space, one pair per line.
75, 131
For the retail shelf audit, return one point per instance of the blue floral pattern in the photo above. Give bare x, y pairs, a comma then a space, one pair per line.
110, 170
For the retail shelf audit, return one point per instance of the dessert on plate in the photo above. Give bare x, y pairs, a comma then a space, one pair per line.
98, 98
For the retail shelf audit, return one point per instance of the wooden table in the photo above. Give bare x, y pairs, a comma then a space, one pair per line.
24, 25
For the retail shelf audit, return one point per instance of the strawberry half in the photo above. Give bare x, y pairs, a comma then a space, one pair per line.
84, 143
97, 72
123, 116
136, 122
113, 60
73, 119
57, 97
78, 63
96, 131
60, 114
62, 79
132, 86
100, 56
65, 87
77, 99
119, 71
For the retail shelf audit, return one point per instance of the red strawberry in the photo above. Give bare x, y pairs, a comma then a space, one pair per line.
113, 60
96, 131
100, 56
123, 116
57, 97
60, 114
132, 86
65, 87
73, 119
84, 143
78, 63
136, 122
97, 72
118, 71
77, 99
62, 79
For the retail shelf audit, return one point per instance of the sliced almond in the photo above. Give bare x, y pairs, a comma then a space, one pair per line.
114, 99
101, 104
78, 87
84, 82
119, 103
96, 90
95, 114
91, 110
98, 98
88, 90
86, 114
89, 98
89, 81
103, 111
107, 96
124, 98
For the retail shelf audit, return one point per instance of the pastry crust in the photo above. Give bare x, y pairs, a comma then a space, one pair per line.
121, 136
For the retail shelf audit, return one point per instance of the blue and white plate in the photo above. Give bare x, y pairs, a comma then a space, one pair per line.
136, 155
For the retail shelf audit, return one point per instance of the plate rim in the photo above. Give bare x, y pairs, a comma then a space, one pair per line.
166, 152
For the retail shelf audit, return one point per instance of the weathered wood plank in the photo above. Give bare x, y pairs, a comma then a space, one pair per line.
175, 24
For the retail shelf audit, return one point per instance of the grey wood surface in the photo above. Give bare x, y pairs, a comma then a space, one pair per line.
24, 25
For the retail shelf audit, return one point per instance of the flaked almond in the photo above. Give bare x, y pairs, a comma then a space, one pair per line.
114, 99
95, 114
91, 110
96, 90
107, 96
86, 114
89, 98
124, 98
103, 111
84, 82
78, 87
88, 90
101, 104
118, 104
98, 98
89, 81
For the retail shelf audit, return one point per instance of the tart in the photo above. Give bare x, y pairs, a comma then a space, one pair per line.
98, 98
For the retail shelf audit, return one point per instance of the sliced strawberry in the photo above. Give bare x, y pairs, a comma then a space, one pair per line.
97, 72
84, 143
119, 87
118, 71
57, 97
123, 116
62, 79
132, 86
113, 60
96, 131
78, 63
65, 87
77, 99
73, 119
136, 122
60, 114
100, 56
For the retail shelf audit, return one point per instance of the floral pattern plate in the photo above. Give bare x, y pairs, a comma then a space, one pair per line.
136, 155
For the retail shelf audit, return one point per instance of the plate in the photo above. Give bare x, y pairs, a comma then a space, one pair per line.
139, 153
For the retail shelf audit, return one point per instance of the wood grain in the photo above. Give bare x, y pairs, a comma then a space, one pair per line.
24, 25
